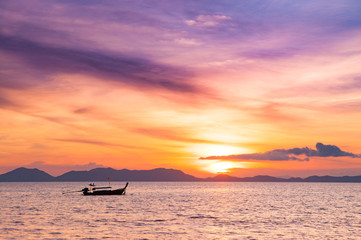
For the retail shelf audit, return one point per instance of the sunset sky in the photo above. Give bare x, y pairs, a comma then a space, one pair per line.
238, 87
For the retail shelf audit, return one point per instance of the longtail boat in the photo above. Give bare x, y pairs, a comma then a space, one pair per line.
93, 190
104, 190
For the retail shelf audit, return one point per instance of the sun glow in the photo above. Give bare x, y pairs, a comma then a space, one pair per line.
217, 150
223, 166
219, 166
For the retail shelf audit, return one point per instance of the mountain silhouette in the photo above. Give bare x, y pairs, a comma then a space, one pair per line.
159, 174
26, 175
102, 174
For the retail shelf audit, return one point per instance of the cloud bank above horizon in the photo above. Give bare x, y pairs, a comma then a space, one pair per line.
288, 154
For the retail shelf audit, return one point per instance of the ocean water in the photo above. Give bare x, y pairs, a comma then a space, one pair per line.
177, 210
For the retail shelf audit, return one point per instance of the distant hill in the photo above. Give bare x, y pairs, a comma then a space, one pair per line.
101, 174
159, 174
26, 175
333, 179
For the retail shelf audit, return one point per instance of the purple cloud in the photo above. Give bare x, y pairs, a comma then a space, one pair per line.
138, 72
4, 102
332, 151
289, 154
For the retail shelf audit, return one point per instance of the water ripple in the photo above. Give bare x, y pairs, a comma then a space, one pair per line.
183, 211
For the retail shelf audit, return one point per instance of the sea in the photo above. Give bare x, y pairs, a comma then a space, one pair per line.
182, 210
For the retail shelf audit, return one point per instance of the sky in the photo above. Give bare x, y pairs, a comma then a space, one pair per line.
239, 87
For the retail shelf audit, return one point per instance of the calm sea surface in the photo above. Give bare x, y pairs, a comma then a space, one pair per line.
162, 210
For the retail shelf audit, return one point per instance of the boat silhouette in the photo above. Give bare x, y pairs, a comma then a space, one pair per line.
93, 190
103, 190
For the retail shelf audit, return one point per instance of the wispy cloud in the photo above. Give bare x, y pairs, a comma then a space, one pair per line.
187, 41
289, 154
207, 20
6, 103
83, 110
94, 142
172, 135
134, 71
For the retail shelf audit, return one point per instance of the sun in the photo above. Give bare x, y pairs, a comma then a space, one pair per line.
218, 166
221, 167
